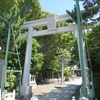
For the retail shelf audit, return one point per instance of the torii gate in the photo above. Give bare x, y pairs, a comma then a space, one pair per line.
50, 22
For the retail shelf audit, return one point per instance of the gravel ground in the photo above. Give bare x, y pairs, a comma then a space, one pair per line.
67, 90
57, 91
46, 88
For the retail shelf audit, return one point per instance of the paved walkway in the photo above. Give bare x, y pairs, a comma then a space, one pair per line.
59, 92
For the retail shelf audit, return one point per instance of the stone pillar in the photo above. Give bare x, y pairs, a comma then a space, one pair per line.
26, 73
62, 76
26, 90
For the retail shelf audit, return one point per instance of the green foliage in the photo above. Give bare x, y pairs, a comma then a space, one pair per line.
96, 84
65, 40
36, 59
54, 46
74, 55
94, 49
12, 80
53, 65
93, 40
8, 10
2, 56
85, 15
45, 49
67, 74
90, 3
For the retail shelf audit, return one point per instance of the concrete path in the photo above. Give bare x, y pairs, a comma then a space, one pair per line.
61, 92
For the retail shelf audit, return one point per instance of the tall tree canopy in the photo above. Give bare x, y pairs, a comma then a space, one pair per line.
90, 13
45, 49
90, 3
93, 38
8, 10
91, 8
94, 5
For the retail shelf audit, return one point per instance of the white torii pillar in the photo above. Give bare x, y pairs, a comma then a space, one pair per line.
62, 73
62, 67
26, 73
25, 89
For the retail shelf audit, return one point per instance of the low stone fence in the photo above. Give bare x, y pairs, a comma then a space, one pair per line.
32, 81
7, 96
54, 80
10, 96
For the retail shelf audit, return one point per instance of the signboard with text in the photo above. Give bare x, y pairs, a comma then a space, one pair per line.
51, 22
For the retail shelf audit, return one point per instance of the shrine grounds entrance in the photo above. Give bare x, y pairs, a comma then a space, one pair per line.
51, 22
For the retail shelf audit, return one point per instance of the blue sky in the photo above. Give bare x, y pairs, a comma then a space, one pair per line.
58, 6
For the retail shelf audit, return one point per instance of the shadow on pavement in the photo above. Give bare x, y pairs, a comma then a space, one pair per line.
62, 93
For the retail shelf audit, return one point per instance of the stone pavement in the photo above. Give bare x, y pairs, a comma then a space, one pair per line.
64, 92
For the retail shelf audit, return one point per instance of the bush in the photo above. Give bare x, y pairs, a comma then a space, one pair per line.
67, 74
12, 80
97, 85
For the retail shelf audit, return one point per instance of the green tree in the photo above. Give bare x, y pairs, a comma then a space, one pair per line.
87, 16
94, 49
12, 80
36, 59
91, 2
92, 37
67, 74
54, 46
8, 10
92, 8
